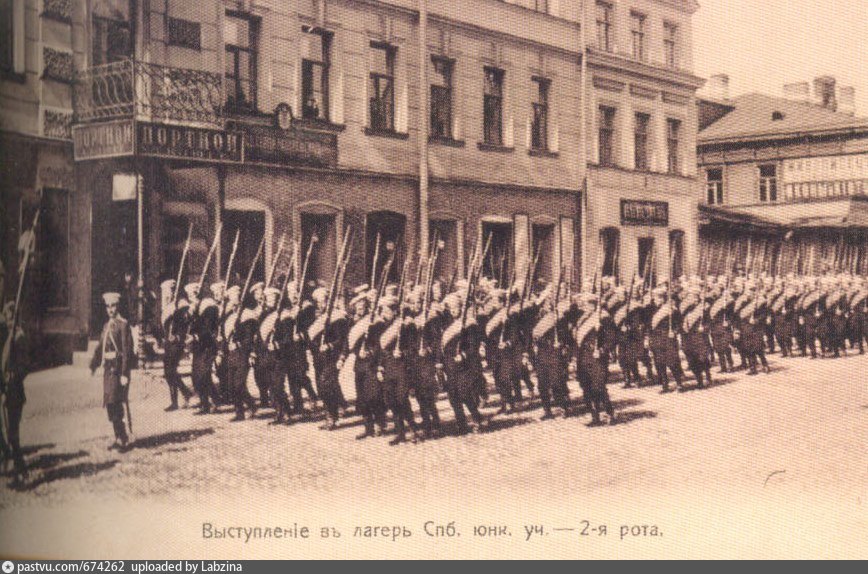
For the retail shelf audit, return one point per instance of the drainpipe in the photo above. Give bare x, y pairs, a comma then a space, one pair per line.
584, 183
423, 130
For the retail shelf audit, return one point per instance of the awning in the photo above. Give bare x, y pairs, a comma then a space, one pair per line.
843, 213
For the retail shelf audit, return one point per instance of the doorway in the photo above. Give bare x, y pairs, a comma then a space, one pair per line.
323, 256
252, 227
498, 262
389, 227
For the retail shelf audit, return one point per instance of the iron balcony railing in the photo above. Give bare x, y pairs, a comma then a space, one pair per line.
127, 89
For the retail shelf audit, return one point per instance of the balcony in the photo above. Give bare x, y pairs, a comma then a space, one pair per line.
147, 92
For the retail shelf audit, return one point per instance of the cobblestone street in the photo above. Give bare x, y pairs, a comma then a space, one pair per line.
699, 469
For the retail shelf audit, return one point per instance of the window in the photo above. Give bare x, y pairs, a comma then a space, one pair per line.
315, 78
382, 87
607, 136
768, 183
539, 136
647, 260
7, 34
441, 98
640, 140
670, 37
604, 26
241, 37
714, 186
543, 248
541, 6
610, 238
673, 133
493, 107
676, 252
54, 244
637, 29
111, 41
184, 33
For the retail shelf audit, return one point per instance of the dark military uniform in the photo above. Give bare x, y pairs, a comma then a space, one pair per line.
809, 316
428, 367
461, 361
115, 354
362, 341
274, 332
298, 321
551, 362
175, 324
858, 319
663, 344
203, 349
16, 353
695, 343
240, 332
592, 367
327, 343
396, 378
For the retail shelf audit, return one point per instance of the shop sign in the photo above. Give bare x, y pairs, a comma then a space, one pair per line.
271, 145
653, 213
184, 142
102, 140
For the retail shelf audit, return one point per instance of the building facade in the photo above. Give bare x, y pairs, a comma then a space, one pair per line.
640, 117
41, 48
402, 121
784, 180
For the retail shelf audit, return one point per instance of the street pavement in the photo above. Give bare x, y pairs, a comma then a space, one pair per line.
766, 466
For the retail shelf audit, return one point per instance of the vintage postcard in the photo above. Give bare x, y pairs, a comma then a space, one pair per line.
432, 279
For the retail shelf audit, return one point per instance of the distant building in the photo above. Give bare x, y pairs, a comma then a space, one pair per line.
785, 180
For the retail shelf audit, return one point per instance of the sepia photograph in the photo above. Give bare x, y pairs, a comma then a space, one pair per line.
432, 279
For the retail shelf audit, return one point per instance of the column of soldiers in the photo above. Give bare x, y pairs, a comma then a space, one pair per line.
420, 338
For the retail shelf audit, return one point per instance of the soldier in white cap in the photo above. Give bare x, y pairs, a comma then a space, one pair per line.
238, 331
116, 356
202, 340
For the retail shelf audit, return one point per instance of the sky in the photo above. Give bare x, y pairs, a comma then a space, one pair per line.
763, 44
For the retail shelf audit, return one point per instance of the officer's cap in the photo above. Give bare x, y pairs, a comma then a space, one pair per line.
111, 298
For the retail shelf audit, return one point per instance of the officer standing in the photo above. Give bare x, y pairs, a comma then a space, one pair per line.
115, 355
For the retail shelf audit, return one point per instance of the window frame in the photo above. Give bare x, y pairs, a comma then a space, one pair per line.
604, 25
642, 137
606, 130
768, 184
673, 146
252, 50
638, 34
670, 44
492, 103
447, 91
714, 187
539, 133
307, 67
374, 85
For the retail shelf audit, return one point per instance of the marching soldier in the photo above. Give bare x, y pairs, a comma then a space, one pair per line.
551, 354
273, 333
662, 341
397, 342
858, 318
501, 332
750, 329
204, 323
174, 321
116, 356
326, 343
429, 363
783, 307
809, 317
694, 337
260, 310
361, 342
238, 352
460, 345
14, 369
299, 317
592, 364
720, 326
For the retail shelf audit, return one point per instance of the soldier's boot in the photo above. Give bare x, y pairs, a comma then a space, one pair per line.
369, 428
699, 383
708, 381
765, 363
